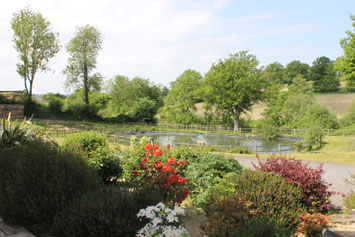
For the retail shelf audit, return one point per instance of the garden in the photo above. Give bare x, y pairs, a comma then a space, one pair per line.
87, 186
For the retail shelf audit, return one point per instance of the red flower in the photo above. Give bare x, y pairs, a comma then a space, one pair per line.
155, 146
146, 159
155, 153
158, 165
182, 162
146, 153
148, 147
168, 146
185, 193
135, 173
181, 180
171, 161
173, 178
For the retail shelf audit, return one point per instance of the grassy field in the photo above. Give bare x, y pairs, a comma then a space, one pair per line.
336, 150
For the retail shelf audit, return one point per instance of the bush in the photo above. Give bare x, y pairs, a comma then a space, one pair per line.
227, 216
37, 181
259, 228
93, 147
85, 142
349, 201
315, 190
274, 200
270, 131
204, 172
55, 105
110, 212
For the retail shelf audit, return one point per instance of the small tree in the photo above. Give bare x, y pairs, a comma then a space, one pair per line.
234, 85
35, 43
347, 62
293, 69
83, 50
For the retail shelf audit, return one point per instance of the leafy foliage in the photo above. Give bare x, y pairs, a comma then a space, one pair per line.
293, 69
274, 72
205, 171
323, 75
21, 133
227, 216
315, 193
275, 200
234, 85
347, 61
93, 147
37, 181
349, 201
35, 43
184, 94
268, 197
83, 49
112, 211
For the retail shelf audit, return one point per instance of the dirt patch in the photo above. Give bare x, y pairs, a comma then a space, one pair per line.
193, 221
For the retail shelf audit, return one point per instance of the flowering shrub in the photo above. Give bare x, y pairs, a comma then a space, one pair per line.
315, 189
166, 176
313, 224
164, 221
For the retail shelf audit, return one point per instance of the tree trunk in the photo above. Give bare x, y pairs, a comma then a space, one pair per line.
86, 86
236, 121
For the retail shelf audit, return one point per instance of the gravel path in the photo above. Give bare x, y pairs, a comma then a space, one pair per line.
334, 174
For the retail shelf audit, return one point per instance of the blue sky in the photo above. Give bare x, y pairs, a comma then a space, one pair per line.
159, 39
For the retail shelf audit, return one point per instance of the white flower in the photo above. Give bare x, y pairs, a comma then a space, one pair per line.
161, 216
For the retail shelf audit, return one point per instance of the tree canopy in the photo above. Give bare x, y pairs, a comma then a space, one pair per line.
83, 50
274, 72
234, 84
293, 68
181, 100
323, 75
35, 43
347, 61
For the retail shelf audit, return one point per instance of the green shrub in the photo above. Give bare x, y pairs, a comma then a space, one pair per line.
106, 164
110, 212
37, 181
204, 172
93, 147
275, 200
85, 142
259, 228
349, 201
227, 216
55, 105
21, 133
270, 131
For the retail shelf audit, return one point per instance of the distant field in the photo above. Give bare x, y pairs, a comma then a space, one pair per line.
339, 103
336, 102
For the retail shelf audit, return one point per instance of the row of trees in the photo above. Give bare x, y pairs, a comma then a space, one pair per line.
323, 73
231, 86
36, 44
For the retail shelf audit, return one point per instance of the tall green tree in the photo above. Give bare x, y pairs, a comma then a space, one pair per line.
323, 75
83, 50
35, 43
274, 72
234, 84
294, 68
348, 60
184, 94
126, 94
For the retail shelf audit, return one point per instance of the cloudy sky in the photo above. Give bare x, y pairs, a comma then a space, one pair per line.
159, 39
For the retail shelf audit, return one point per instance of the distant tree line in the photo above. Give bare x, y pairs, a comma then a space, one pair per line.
230, 88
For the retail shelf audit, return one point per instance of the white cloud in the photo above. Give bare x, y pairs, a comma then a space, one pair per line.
155, 39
